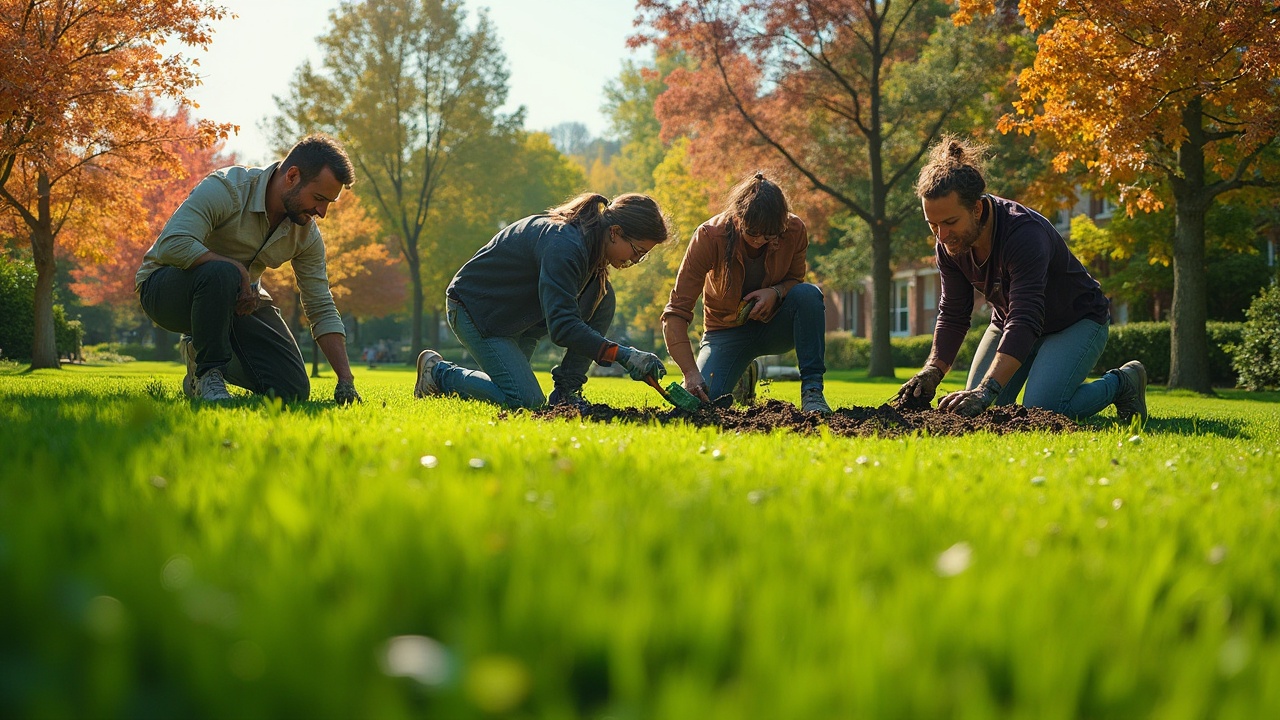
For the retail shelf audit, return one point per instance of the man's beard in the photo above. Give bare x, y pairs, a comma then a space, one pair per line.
292, 209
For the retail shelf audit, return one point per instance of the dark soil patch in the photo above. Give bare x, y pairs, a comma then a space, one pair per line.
883, 421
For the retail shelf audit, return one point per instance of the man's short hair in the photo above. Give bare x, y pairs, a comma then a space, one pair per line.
316, 152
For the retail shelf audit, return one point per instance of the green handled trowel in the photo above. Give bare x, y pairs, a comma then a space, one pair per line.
676, 395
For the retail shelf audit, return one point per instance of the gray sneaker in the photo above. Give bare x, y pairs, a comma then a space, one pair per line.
812, 400
426, 383
212, 386
187, 350
745, 391
1132, 398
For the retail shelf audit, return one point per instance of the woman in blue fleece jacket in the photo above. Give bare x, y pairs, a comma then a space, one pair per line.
547, 274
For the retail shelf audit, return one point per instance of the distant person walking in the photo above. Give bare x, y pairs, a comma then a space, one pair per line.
752, 255
1049, 317
545, 275
200, 278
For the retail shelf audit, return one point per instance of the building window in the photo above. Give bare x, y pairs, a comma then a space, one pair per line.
850, 311
900, 308
929, 301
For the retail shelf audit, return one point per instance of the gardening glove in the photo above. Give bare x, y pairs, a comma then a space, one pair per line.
696, 385
971, 402
923, 385
345, 393
640, 364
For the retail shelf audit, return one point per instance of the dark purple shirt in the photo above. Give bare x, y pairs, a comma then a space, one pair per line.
1034, 284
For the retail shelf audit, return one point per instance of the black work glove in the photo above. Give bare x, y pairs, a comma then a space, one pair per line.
345, 393
641, 364
971, 402
923, 385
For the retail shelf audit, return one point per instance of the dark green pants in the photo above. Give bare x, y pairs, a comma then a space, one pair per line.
256, 351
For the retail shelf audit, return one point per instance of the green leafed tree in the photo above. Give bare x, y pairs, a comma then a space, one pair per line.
413, 88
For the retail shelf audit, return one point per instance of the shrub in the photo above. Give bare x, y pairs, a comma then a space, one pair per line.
17, 314
1256, 357
845, 352
1150, 343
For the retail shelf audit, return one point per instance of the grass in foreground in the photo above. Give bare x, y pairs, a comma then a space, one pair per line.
166, 559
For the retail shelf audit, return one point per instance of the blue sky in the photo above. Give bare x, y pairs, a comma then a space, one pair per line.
560, 54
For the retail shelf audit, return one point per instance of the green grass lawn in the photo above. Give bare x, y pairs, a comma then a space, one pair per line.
407, 558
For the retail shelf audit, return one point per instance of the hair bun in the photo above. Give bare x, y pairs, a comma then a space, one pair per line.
759, 175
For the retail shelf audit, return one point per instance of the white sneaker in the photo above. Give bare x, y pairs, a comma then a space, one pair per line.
187, 349
426, 383
212, 386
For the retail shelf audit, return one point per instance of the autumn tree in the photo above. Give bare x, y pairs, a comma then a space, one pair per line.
107, 279
840, 97
413, 87
78, 133
1148, 94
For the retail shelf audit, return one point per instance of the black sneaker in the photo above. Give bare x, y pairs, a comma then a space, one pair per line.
571, 398
1132, 398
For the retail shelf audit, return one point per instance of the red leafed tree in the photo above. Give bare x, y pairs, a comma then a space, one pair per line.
108, 279
840, 97
78, 133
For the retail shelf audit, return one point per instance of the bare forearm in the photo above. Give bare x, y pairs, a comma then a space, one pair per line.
1003, 368
334, 347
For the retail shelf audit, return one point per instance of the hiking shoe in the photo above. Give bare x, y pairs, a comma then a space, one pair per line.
426, 384
570, 398
1131, 400
212, 386
187, 349
745, 391
812, 400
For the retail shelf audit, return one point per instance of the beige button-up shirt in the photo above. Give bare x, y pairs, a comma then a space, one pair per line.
227, 213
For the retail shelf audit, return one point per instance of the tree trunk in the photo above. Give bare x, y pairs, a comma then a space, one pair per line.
881, 363
44, 351
355, 332
415, 342
1188, 337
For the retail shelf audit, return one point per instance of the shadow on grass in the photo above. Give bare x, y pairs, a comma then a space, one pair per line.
1181, 425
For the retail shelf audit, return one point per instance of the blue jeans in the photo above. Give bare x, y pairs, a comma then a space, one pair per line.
800, 323
1053, 372
507, 377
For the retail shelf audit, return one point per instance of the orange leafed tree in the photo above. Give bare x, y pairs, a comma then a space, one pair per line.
108, 279
78, 134
1149, 93
840, 98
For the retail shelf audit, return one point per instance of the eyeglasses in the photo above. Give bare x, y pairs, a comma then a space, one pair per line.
637, 255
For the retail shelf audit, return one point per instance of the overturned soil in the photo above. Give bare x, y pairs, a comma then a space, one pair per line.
883, 421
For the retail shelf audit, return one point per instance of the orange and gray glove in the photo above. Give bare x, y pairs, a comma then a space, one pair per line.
923, 385
971, 402
640, 364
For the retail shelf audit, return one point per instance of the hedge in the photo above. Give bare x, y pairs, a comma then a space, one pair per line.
1149, 342
17, 314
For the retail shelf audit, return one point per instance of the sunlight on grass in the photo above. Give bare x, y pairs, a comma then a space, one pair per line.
434, 557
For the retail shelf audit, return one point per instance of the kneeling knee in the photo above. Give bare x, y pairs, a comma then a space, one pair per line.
806, 294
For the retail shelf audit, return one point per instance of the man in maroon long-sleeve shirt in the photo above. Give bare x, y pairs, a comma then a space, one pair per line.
1049, 317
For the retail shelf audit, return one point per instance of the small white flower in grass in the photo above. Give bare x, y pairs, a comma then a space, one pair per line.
1038, 480
1214, 487
717, 455
862, 460
429, 461
1104, 481
954, 560
755, 497
476, 463
416, 656
1135, 439
159, 482
1217, 554
1117, 503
